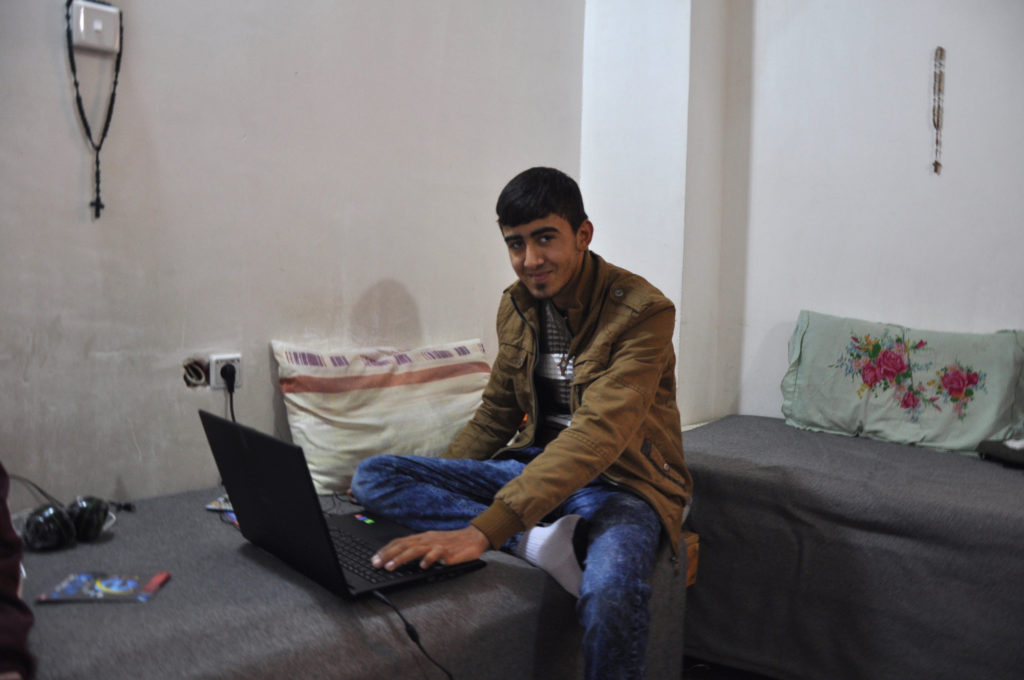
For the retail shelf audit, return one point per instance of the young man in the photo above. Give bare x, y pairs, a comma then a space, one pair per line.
585, 357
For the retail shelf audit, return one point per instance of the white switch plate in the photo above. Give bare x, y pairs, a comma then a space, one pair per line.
95, 26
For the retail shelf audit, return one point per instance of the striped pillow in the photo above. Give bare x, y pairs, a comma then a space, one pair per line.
344, 406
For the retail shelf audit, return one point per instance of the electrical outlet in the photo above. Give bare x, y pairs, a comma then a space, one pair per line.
219, 361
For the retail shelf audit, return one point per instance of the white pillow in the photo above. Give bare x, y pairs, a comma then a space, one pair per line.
347, 405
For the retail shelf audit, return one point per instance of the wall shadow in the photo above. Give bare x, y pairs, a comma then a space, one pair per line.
386, 314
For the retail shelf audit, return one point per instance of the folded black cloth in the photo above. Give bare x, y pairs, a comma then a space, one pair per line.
1003, 452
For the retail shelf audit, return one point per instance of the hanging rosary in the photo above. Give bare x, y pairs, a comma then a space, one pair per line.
938, 90
97, 204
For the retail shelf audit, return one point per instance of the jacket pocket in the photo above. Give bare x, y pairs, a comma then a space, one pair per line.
593, 359
654, 457
512, 358
586, 370
515, 363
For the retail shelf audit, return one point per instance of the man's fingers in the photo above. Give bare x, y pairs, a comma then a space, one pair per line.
447, 547
398, 552
436, 554
389, 557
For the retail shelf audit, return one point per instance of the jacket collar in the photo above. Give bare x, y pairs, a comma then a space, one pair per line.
587, 298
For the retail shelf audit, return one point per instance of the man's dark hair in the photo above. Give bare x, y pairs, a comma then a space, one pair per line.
537, 193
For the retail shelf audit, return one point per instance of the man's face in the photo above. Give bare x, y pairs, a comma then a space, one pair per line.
546, 256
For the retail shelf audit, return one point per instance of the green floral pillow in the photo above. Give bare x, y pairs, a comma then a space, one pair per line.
885, 381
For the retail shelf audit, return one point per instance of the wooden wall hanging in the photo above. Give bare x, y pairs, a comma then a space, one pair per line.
938, 91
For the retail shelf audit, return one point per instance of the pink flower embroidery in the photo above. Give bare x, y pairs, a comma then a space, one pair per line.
910, 400
955, 382
890, 364
958, 384
884, 365
870, 375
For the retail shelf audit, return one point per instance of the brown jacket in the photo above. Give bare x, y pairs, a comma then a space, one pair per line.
625, 423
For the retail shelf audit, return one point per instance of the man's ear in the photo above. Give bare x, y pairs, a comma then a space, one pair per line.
584, 235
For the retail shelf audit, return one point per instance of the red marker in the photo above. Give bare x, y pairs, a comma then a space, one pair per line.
154, 585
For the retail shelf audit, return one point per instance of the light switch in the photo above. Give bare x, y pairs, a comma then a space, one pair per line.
95, 26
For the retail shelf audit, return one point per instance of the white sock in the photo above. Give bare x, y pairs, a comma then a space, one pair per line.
551, 548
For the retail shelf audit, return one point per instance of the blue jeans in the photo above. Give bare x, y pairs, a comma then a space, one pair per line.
427, 494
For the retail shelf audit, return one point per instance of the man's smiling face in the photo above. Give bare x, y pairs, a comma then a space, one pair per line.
547, 256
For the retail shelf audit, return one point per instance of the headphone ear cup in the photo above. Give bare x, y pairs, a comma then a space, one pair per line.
48, 527
88, 514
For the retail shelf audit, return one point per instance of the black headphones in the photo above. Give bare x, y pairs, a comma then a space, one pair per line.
53, 526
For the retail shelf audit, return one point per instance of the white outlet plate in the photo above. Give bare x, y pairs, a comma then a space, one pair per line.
95, 26
219, 361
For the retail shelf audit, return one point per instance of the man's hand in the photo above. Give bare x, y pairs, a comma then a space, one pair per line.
446, 547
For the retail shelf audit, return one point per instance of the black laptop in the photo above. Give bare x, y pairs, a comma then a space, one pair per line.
277, 507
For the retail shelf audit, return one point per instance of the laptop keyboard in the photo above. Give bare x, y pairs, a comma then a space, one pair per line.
354, 556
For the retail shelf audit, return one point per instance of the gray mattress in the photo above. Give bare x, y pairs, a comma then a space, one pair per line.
831, 557
231, 610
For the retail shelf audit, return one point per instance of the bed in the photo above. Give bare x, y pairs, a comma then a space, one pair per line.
231, 610
860, 536
832, 557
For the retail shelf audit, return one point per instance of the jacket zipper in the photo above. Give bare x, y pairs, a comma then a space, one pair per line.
645, 449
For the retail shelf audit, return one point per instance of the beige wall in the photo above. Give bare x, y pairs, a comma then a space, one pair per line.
273, 170
329, 169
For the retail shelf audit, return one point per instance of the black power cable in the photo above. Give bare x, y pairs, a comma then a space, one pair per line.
227, 371
116, 505
28, 482
410, 630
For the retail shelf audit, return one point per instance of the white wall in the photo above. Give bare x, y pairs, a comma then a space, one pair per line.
714, 262
844, 212
636, 61
273, 170
810, 185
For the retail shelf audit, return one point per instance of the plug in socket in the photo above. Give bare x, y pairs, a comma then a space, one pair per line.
219, 361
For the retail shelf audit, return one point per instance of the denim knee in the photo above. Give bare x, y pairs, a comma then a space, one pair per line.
368, 475
604, 591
